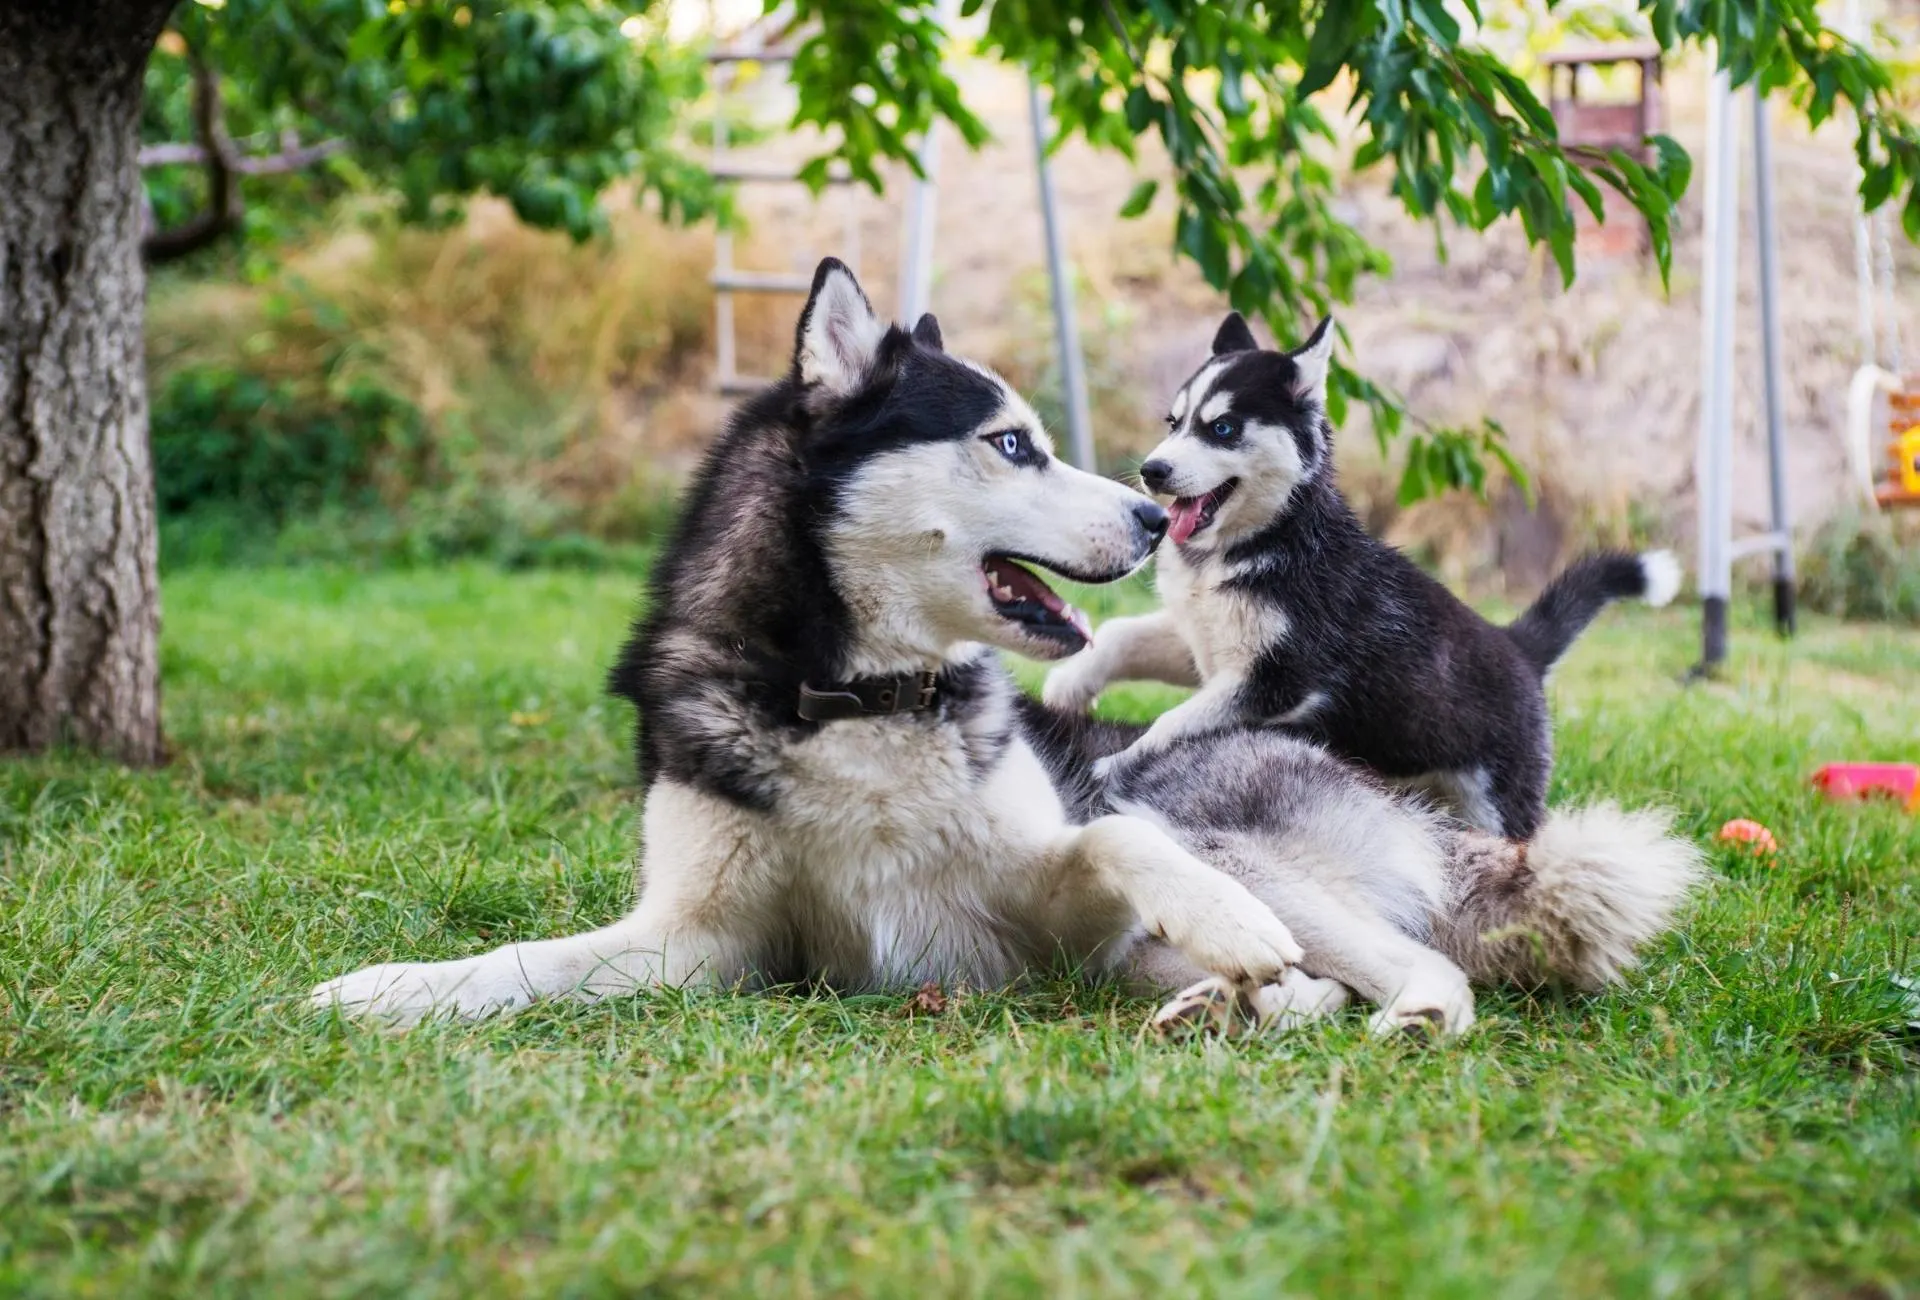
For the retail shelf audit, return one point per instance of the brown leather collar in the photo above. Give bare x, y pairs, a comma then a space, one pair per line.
869, 697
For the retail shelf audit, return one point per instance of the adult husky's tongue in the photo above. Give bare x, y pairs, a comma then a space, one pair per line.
1183, 517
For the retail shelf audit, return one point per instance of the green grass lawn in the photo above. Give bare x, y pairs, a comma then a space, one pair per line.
424, 765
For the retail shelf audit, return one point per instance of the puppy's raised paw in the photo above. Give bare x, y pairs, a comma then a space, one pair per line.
1071, 687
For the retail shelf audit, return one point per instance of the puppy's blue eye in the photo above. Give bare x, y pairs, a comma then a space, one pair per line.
1225, 429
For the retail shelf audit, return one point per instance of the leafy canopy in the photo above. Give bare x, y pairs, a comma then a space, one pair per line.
547, 102
1233, 92
543, 103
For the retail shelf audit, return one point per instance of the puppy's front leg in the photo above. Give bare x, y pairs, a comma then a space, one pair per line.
1215, 705
1206, 914
1146, 648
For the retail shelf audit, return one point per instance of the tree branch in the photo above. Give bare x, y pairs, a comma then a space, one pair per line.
222, 213
293, 158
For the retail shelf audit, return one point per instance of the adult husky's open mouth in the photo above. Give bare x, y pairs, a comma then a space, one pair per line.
1020, 596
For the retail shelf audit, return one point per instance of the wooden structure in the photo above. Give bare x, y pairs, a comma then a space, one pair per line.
1606, 124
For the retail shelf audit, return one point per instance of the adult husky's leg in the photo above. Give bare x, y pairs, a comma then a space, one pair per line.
1145, 648
705, 916
1415, 987
1206, 915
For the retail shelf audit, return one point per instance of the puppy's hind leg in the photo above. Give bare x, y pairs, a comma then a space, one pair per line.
1212, 1005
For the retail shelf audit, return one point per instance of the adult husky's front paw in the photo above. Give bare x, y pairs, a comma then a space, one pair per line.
403, 993
1073, 685
1228, 931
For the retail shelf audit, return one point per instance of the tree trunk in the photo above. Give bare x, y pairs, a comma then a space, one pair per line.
79, 600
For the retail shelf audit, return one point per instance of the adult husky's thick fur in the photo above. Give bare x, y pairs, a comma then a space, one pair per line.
858, 533
1285, 612
1397, 903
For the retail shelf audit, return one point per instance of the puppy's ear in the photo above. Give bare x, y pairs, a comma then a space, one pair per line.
926, 332
1310, 363
1234, 336
838, 336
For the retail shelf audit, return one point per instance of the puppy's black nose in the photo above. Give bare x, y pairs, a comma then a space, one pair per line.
1151, 518
1155, 474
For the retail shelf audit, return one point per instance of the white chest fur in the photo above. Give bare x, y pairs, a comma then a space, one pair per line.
905, 864
1224, 630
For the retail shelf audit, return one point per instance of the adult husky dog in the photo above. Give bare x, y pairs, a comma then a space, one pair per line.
841, 784
1285, 612
844, 785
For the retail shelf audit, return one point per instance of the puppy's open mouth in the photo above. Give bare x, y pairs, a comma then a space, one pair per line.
1019, 596
1189, 515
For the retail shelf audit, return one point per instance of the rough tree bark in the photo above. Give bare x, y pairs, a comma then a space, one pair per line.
79, 602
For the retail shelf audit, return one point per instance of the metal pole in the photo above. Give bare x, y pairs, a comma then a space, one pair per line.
916, 243
1854, 28
1770, 362
1073, 376
916, 250
1715, 465
725, 359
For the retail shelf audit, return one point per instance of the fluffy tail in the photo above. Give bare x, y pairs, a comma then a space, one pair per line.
1582, 590
1573, 905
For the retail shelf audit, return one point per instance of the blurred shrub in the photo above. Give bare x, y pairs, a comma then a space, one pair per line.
234, 441
407, 394
1864, 566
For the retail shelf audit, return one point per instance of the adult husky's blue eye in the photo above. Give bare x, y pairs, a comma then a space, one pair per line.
1014, 445
1224, 429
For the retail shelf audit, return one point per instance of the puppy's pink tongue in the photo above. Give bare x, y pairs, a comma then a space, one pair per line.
1183, 516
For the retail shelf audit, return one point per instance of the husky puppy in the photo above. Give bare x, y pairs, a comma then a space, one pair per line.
845, 786
1284, 612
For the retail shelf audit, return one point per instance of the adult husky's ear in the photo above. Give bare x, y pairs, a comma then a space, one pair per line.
1310, 363
926, 332
1234, 336
838, 335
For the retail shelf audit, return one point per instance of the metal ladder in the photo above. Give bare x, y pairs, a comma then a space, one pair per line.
916, 247
728, 279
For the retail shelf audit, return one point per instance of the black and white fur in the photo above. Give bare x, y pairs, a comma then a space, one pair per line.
1284, 612
855, 521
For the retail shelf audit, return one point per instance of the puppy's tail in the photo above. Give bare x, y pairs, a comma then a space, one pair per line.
1582, 590
1573, 905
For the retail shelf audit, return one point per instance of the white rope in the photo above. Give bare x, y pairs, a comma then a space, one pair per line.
1884, 247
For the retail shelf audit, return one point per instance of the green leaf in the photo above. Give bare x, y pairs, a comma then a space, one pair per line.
1330, 46
1139, 199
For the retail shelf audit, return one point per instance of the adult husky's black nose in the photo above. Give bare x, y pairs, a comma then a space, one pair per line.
1152, 519
1155, 474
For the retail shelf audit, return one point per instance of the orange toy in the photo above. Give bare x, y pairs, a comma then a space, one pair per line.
1751, 833
1858, 780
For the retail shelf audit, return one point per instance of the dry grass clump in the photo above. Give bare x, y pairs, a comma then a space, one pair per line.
550, 377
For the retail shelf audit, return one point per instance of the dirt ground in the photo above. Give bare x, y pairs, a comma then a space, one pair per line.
1598, 386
